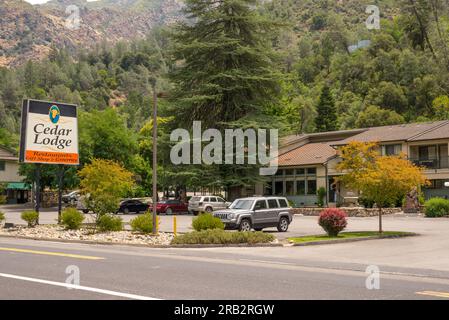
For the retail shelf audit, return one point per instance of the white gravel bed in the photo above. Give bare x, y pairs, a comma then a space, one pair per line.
58, 232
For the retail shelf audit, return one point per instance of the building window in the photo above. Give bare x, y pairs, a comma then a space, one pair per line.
268, 189
436, 184
289, 172
279, 188
280, 172
2, 165
311, 171
391, 149
300, 187
300, 172
311, 187
289, 188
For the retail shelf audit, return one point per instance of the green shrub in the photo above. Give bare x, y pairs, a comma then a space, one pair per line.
31, 217
436, 207
219, 236
143, 223
2, 217
108, 222
366, 202
321, 193
3, 200
206, 221
72, 219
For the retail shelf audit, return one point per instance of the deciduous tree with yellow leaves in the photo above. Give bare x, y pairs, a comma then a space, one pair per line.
105, 182
380, 178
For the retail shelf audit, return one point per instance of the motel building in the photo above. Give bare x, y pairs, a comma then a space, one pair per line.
308, 161
16, 191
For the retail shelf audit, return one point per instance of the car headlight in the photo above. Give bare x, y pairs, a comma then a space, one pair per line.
231, 216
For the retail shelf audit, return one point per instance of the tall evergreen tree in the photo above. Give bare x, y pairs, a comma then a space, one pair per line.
326, 119
226, 64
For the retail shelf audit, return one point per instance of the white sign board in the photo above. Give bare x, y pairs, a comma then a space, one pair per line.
49, 133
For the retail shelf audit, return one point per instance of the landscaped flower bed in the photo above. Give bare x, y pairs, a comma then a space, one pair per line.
85, 234
348, 236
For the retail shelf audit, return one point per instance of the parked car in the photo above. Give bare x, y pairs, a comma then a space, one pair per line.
209, 204
257, 213
81, 204
171, 206
133, 205
71, 198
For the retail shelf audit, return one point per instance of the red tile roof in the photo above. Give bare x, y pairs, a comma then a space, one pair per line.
312, 153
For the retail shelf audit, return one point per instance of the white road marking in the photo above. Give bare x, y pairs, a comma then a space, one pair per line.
78, 287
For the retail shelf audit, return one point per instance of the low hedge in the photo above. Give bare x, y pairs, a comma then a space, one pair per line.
72, 219
143, 223
219, 236
2, 217
436, 207
206, 221
31, 217
108, 222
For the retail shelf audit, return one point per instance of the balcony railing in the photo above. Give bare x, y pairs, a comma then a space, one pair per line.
433, 163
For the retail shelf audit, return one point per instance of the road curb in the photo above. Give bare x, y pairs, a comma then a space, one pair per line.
314, 243
240, 245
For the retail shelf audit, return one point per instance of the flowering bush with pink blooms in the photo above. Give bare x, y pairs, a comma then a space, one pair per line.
333, 221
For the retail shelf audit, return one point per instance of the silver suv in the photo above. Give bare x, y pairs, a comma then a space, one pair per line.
206, 204
257, 213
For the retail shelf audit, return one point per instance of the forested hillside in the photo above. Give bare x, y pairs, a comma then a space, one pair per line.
285, 64
29, 32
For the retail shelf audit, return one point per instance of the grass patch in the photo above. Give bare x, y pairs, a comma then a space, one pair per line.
347, 235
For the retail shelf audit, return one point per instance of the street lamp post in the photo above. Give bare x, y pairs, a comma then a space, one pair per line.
155, 226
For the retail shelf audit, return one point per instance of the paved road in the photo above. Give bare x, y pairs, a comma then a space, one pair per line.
437, 228
37, 270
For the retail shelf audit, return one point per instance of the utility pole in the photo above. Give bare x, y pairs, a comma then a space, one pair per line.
155, 226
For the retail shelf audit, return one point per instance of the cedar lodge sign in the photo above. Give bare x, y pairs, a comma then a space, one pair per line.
49, 133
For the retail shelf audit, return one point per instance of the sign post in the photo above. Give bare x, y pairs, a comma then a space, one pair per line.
60, 183
37, 173
49, 135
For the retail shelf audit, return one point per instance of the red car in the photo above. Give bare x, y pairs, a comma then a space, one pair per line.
171, 206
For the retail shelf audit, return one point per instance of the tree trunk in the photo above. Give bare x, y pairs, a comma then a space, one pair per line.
380, 220
423, 29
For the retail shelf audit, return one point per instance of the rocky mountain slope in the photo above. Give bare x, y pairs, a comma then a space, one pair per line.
29, 32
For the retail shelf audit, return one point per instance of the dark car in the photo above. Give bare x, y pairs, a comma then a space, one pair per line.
171, 206
132, 205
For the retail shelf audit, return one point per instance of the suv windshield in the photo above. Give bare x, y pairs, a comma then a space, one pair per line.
243, 204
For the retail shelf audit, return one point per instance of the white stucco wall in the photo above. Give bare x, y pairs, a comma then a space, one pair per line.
11, 172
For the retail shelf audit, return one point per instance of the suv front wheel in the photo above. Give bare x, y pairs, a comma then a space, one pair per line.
245, 225
283, 224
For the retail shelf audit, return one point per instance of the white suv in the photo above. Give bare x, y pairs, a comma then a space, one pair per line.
209, 204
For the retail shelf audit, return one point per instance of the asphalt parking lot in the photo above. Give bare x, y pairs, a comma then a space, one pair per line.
300, 226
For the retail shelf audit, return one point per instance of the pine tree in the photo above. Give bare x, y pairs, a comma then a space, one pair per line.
226, 64
326, 119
